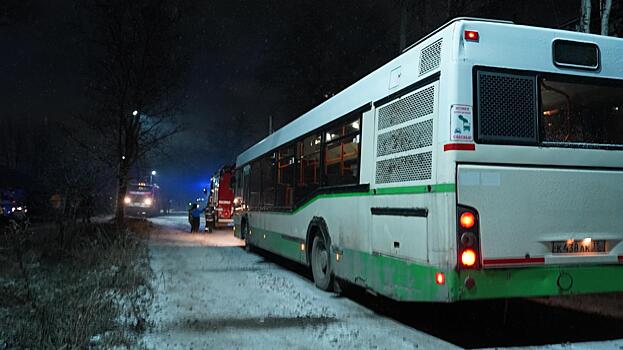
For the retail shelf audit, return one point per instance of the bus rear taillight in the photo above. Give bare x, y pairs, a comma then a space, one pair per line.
468, 242
467, 220
468, 257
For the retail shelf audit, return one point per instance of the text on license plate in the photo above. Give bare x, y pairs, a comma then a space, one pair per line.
578, 246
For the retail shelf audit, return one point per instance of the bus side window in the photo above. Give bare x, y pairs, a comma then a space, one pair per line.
341, 166
284, 191
255, 185
244, 187
307, 166
238, 183
268, 181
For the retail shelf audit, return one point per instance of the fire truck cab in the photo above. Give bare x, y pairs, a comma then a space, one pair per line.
220, 207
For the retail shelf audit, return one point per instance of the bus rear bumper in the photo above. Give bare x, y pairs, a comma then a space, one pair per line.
402, 280
539, 281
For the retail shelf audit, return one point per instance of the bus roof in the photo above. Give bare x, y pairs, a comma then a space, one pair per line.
374, 86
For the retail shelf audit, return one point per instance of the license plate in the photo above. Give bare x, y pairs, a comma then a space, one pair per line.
594, 246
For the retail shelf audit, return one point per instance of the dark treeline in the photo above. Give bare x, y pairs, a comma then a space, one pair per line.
242, 62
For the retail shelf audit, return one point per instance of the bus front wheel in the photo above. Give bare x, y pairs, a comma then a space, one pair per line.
245, 236
321, 264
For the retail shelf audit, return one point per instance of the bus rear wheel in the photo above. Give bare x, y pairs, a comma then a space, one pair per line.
321, 264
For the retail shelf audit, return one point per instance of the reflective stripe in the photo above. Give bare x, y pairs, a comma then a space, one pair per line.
513, 261
459, 147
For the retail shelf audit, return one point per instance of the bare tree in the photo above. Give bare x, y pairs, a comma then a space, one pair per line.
12, 11
138, 64
585, 17
605, 6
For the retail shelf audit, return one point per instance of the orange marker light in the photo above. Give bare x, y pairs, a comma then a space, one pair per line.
471, 35
468, 257
467, 220
440, 278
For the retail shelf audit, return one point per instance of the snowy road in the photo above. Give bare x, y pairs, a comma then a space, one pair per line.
211, 294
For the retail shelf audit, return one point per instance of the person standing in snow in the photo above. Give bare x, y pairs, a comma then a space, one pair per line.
195, 216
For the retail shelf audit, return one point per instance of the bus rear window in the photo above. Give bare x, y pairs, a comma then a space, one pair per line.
581, 114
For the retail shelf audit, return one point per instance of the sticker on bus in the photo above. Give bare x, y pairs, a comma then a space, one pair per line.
461, 123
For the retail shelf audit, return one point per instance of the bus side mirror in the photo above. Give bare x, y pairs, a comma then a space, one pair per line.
232, 183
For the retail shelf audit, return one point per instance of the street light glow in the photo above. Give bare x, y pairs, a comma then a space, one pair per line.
153, 172
135, 113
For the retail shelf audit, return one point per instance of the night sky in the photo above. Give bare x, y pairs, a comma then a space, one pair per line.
250, 60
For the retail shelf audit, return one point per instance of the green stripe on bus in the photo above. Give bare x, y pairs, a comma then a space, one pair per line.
328, 195
277, 243
542, 281
396, 278
421, 189
417, 189
405, 280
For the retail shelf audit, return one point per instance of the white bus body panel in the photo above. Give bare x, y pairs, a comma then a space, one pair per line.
523, 209
401, 236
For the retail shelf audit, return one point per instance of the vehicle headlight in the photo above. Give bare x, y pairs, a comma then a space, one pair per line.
147, 201
127, 200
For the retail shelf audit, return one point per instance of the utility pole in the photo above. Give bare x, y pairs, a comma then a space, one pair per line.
585, 17
270, 124
605, 5
403, 25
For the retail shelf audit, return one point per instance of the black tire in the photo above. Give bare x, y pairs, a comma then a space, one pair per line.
321, 264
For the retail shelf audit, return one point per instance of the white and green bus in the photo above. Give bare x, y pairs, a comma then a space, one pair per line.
485, 161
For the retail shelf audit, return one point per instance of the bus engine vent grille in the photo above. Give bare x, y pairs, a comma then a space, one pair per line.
507, 108
430, 57
411, 137
411, 107
413, 167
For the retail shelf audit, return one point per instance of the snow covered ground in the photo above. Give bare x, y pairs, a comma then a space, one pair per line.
211, 294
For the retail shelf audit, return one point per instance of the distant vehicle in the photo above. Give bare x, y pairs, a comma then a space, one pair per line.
485, 161
220, 207
142, 199
13, 208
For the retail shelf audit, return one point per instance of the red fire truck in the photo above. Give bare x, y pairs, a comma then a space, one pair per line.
220, 208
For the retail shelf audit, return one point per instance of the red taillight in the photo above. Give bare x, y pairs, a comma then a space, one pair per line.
440, 278
468, 238
468, 258
467, 220
471, 35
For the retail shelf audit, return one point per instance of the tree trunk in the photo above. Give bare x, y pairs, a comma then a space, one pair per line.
606, 5
122, 188
585, 17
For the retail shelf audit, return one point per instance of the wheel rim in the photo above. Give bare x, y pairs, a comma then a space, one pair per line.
324, 259
321, 257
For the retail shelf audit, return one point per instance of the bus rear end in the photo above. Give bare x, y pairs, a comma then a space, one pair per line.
539, 170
